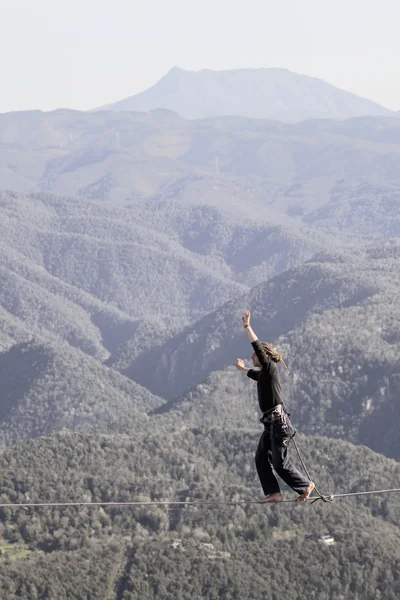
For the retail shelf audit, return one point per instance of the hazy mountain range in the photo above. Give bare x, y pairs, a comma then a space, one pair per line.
242, 165
275, 94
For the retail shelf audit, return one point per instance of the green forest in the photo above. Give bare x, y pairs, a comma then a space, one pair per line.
201, 550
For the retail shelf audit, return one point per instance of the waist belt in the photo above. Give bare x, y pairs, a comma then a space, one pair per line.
277, 423
272, 413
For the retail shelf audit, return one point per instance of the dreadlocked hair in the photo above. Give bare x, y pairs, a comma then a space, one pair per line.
274, 354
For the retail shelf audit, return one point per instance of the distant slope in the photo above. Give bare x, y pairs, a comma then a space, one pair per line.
254, 249
365, 209
261, 167
278, 307
343, 355
95, 276
344, 381
46, 389
345, 366
274, 94
101, 277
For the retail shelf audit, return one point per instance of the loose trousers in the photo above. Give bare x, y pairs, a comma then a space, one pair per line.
272, 453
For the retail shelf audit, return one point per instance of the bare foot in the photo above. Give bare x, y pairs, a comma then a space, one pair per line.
277, 497
305, 495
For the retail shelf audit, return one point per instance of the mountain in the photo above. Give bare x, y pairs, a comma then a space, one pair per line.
278, 306
103, 277
49, 388
275, 94
261, 169
365, 210
86, 275
336, 320
82, 273
151, 552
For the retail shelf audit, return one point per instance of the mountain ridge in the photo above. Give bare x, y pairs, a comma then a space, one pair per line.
281, 90
278, 305
48, 388
247, 166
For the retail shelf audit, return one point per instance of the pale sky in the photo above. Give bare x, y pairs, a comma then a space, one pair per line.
85, 53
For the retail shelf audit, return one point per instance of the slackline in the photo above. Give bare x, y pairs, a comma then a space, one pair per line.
183, 503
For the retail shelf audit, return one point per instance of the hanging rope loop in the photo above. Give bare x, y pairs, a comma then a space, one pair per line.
320, 496
328, 499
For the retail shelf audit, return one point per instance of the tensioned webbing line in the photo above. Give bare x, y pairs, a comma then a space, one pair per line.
183, 503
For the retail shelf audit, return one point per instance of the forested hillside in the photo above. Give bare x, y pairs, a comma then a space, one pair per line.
48, 388
342, 349
191, 552
101, 277
330, 281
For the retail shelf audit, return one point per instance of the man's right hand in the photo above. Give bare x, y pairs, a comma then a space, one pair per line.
240, 363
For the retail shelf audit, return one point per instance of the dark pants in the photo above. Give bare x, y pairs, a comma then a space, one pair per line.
272, 451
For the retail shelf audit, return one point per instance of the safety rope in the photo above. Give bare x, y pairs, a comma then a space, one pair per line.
329, 498
364, 493
320, 496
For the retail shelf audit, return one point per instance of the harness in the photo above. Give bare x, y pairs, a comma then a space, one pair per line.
276, 421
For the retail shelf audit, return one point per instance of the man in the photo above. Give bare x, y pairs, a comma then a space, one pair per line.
272, 449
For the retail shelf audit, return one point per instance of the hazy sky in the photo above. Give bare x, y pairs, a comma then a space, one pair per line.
84, 53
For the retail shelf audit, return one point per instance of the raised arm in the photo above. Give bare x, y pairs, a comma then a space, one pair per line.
246, 324
255, 342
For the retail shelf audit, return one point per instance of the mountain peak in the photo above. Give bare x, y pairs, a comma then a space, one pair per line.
262, 93
177, 69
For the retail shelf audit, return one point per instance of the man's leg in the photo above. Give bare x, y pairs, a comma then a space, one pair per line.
268, 480
284, 468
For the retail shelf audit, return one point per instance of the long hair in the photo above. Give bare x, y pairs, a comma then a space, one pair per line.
274, 354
